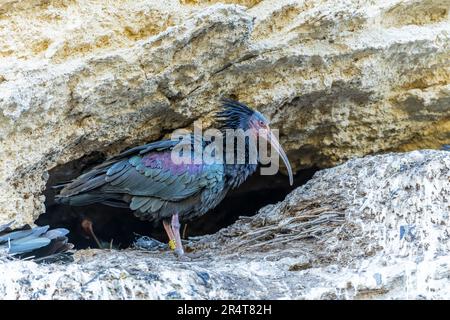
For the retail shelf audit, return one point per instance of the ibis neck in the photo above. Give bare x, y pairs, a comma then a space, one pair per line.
236, 174
240, 168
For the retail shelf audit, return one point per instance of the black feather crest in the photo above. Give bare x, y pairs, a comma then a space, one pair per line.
234, 115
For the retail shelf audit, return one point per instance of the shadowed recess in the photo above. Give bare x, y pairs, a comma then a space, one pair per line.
118, 227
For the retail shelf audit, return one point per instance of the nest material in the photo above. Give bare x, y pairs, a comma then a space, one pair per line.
305, 220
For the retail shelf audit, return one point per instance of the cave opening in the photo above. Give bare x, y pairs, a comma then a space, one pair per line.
118, 228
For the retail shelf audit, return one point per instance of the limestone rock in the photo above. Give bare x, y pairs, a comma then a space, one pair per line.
374, 227
338, 79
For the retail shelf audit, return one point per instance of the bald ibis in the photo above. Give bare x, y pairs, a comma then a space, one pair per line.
156, 188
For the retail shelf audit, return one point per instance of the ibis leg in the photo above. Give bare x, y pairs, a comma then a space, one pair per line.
176, 232
169, 232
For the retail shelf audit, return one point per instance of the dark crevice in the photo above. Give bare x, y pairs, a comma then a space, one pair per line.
121, 227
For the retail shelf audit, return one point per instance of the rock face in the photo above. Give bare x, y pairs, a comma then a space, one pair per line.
374, 227
338, 79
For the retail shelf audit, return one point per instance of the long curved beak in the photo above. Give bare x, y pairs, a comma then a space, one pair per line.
277, 147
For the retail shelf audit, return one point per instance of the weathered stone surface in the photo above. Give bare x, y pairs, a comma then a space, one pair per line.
338, 79
374, 227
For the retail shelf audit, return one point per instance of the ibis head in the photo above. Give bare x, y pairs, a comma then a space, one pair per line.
236, 115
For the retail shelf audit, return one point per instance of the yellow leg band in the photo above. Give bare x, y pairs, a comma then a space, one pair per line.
172, 244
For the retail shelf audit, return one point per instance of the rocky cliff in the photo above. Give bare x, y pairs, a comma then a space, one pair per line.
372, 228
339, 79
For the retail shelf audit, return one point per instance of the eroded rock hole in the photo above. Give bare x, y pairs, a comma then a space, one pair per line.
117, 227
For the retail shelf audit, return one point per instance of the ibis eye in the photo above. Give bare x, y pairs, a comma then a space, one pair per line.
261, 123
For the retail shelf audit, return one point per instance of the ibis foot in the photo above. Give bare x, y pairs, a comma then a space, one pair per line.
88, 228
185, 257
